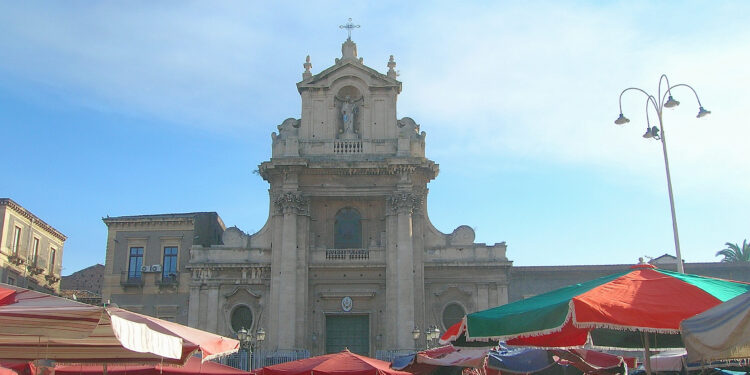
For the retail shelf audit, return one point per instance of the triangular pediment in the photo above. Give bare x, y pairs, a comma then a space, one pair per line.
348, 68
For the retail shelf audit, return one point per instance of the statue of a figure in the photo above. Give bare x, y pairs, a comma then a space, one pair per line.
348, 109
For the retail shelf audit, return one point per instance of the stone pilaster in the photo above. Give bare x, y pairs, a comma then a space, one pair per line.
289, 206
400, 278
213, 309
194, 306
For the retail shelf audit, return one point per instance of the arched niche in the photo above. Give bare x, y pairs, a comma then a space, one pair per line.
349, 112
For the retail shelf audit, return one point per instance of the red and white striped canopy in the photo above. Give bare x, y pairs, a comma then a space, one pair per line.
34, 326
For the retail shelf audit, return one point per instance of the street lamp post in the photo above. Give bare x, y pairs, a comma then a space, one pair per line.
415, 333
248, 341
658, 103
433, 333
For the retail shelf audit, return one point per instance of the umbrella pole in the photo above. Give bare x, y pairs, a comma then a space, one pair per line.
647, 353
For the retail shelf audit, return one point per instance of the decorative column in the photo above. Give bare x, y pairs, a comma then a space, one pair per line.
289, 205
400, 273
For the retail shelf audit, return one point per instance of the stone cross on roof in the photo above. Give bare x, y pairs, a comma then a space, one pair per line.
349, 26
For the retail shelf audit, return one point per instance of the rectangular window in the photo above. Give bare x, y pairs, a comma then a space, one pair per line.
52, 253
11, 281
135, 262
169, 268
34, 251
16, 240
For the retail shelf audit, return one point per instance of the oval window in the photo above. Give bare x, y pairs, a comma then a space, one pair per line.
242, 317
452, 314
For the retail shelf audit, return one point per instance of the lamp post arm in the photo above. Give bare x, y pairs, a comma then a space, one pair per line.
628, 89
692, 89
669, 88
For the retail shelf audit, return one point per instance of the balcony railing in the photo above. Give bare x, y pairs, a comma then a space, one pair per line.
131, 279
51, 279
326, 256
350, 254
15, 259
169, 280
34, 269
347, 147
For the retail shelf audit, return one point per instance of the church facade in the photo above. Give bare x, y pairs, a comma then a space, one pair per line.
348, 256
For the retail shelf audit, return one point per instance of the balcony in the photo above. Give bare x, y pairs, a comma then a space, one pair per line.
131, 280
323, 256
34, 269
350, 254
347, 147
171, 279
51, 279
15, 259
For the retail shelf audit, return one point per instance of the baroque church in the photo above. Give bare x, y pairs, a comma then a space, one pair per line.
348, 256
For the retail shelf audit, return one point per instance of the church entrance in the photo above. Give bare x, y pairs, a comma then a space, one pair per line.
348, 331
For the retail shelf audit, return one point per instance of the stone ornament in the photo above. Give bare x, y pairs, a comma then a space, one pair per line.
291, 203
408, 128
463, 235
307, 65
391, 72
347, 304
404, 203
288, 129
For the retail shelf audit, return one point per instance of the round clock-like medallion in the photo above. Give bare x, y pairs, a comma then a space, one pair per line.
347, 304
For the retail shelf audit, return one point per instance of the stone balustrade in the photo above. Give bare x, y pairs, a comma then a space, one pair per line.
348, 256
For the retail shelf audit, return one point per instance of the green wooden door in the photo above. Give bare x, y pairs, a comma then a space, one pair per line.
348, 331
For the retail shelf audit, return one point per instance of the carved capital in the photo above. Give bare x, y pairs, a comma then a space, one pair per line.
291, 203
404, 203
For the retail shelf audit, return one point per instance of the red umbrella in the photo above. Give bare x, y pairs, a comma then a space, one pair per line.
341, 363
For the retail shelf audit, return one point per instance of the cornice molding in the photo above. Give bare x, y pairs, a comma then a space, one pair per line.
7, 202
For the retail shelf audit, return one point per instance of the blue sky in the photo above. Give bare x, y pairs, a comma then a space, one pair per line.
127, 108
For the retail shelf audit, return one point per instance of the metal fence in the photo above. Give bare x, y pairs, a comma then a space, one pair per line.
390, 355
261, 358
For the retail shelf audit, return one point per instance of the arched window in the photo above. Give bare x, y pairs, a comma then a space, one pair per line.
452, 314
347, 230
242, 317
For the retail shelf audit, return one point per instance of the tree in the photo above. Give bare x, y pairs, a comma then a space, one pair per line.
733, 253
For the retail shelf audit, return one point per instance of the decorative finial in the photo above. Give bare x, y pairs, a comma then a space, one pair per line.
307, 65
349, 26
391, 64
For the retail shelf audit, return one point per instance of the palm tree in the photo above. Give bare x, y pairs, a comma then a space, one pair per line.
733, 253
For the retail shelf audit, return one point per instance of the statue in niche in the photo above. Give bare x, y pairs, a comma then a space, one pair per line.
348, 108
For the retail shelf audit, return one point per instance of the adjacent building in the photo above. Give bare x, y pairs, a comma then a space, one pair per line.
31, 249
348, 256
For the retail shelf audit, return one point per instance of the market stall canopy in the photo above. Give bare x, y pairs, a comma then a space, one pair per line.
344, 362
720, 333
58, 329
426, 361
26, 313
609, 312
194, 366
